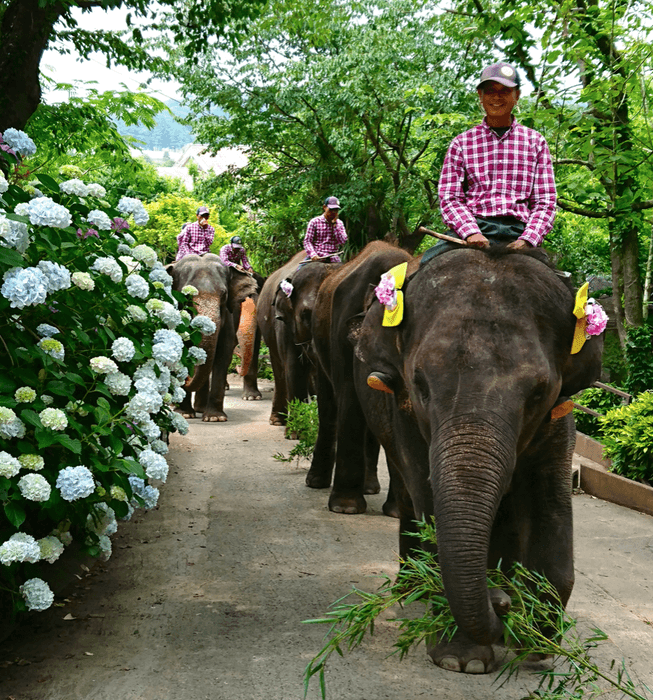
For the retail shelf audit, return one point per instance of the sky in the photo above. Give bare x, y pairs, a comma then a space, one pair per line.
67, 68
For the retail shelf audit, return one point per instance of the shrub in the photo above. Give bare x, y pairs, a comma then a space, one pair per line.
303, 422
627, 436
93, 357
598, 400
639, 358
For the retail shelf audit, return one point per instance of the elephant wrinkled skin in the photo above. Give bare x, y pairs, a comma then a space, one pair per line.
477, 364
221, 291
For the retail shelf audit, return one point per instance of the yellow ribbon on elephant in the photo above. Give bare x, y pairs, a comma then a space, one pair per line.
395, 317
581, 323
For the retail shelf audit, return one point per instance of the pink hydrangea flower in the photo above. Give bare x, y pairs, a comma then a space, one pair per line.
90, 232
597, 319
119, 224
385, 291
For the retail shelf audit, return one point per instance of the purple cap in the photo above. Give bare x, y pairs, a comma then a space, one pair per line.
502, 73
332, 203
202, 210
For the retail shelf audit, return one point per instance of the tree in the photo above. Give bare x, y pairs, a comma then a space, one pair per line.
358, 99
28, 27
598, 126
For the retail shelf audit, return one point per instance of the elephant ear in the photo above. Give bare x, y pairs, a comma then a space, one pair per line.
171, 269
240, 285
584, 368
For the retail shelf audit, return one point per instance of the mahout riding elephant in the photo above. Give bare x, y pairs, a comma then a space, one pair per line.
221, 292
284, 314
478, 423
341, 296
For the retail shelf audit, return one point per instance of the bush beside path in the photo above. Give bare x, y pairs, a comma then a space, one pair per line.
204, 596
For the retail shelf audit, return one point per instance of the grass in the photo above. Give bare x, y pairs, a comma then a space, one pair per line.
535, 607
302, 420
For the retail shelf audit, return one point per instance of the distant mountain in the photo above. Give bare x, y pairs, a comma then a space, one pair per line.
167, 134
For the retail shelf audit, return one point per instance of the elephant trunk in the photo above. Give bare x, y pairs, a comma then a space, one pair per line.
471, 467
207, 305
246, 334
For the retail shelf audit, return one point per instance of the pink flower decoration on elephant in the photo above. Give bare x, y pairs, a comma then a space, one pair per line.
385, 291
286, 287
597, 319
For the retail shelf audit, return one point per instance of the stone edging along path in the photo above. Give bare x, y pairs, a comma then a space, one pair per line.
596, 480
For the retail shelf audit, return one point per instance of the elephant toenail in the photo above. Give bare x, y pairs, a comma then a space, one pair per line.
450, 663
475, 666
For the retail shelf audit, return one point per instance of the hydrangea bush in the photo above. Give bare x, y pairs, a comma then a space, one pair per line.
92, 361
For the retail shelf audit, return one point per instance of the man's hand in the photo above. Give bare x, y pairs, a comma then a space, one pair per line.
315, 257
240, 268
477, 240
518, 244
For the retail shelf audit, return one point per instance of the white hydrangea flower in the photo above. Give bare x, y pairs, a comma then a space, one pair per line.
179, 423
103, 365
168, 347
129, 262
129, 238
24, 287
185, 315
95, 190
32, 462
34, 487
25, 394
14, 234
204, 323
178, 395
123, 349
47, 400
102, 521
84, 281
127, 204
10, 424
154, 464
19, 547
165, 312
105, 547
75, 482
22, 209
142, 402
53, 418
19, 141
119, 384
198, 354
123, 249
150, 429
9, 466
52, 347
43, 211
118, 493
74, 186
137, 286
4, 185
37, 594
135, 313
144, 254
51, 548
159, 447
63, 536
45, 330
57, 275
108, 266
149, 494
141, 217
100, 219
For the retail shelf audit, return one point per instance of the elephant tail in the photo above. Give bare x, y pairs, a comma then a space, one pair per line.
246, 334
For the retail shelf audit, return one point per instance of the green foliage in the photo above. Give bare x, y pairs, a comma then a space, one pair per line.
302, 421
639, 358
167, 132
535, 607
264, 366
168, 213
598, 400
627, 437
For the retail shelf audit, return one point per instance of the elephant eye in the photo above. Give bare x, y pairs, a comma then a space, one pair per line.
422, 385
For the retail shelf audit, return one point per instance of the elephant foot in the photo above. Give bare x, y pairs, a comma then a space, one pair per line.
371, 485
188, 414
348, 505
250, 395
318, 480
461, 655
277, 419
214, 417
391, 509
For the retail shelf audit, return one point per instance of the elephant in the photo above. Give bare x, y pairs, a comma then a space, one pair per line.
475, 417
285, 324
222, 291
341, 296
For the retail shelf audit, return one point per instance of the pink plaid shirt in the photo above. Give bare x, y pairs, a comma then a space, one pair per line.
484, 175
323, 238
231, 256
194, 239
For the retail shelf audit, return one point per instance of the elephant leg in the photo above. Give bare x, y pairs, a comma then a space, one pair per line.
201, 398
319, 475
391, 507
250, 380
372, 448
186, 408
214, 408
280, 396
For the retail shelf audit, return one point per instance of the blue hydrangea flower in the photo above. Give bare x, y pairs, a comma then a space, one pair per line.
100, 219
74, 186
24, 287
19, 141
204, 323
57, 275
154, 464
75, 483
43, 211
137, 286
19, 547
45, 330
168, 346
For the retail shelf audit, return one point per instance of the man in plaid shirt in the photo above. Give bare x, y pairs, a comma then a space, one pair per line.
497, 179
233, 255
196, 238
325, 234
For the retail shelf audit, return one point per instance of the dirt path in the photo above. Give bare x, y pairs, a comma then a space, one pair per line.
204, 596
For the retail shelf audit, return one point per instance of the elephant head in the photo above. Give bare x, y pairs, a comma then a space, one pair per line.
221, 291
480, 359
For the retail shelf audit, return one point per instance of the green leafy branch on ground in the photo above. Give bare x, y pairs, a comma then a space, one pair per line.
302, 421
535, 607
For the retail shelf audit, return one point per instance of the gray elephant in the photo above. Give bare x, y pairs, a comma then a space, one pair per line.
221, 292
285, 321
474, 413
